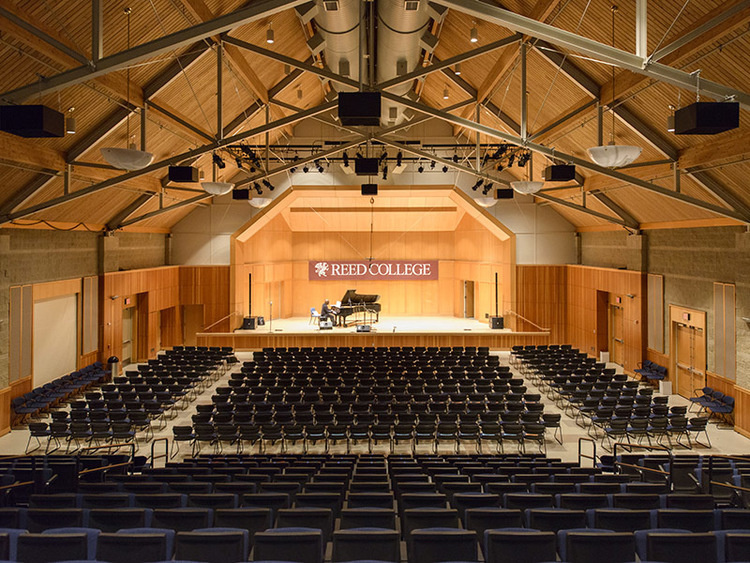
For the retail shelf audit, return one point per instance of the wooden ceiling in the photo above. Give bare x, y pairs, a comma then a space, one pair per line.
179, 88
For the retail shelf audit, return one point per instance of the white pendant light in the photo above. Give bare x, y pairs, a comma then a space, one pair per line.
217, 188
269, 35
485, 202
129, 158
457, 69
526, 186
70, 122
612, 155
260, 202
446, 94
474, 36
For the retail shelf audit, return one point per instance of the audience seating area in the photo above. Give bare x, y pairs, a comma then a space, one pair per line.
612, 407
508, 508
124, 410
370, 396
650, 371
715, 402
49, 395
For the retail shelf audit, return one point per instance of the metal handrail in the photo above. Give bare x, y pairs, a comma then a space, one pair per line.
532, 323
222, 319
166, 450
640, 468
711, 481
583, 456
104, 468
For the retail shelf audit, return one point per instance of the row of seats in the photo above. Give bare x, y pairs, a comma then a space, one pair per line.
49, 395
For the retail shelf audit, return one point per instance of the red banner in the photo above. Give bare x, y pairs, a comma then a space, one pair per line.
407, 270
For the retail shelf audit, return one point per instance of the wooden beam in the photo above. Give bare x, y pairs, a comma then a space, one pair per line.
201, 12
627, 81
114, 84
30, 153
541, 11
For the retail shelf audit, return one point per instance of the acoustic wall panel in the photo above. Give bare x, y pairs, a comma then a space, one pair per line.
90, 315
55, 338
656, 312
725, 333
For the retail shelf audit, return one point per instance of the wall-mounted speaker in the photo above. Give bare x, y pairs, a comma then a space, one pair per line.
241, 194
32, 121
369, 189
183, 174
359, 108
248, 323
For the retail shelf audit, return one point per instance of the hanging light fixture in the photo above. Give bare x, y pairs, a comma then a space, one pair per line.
269, 34
612, 155
129, 158
485, 202
446, 94
70, 122
474, 36
215, 187
527, 186
457, 69
260, 202
299, 93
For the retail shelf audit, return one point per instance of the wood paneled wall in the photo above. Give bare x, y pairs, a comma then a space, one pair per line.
207, 286
541, 297
277, 259
583, 283
563, 299
742, 410
151, 290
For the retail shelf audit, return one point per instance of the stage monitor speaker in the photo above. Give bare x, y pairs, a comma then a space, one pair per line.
707, 118
241, 194
559, 173
363, 328
32, 121
248, 323
497, 322
359, 108
504, 193
326, 325
369, 189
366, 166
261, 321
184, 174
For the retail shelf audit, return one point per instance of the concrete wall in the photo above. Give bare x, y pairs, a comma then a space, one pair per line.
690, 260
33, 256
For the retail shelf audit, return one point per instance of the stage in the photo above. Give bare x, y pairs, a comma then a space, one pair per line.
389, 331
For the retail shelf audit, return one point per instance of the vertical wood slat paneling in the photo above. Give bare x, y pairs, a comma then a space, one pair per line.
742, 410
655, 307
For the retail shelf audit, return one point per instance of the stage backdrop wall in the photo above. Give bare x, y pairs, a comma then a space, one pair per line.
55, 338
277, 259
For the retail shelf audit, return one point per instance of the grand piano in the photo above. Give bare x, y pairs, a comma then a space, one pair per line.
364, 306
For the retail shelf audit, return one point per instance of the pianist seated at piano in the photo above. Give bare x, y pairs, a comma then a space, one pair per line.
327, 312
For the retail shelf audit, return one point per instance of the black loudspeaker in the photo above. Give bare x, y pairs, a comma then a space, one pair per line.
369, 189
243, 194
504, 193
359, 108
248, 323
363, 328
707, 118
183, 174
497, 322
326, 325
366, 166
32, 121
559, 173
261, 321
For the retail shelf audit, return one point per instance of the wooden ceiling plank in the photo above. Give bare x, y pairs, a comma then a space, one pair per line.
179, 120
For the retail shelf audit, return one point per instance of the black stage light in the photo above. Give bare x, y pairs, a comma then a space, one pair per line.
445, 169
432, 165
305, 169
420, 169
487, 188
218, 161
346, 159
269, 185
257, 188
455, 158
511, 158
399, 157
238, 160
385, 172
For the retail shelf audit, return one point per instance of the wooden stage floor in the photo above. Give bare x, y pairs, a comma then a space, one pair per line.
389, 331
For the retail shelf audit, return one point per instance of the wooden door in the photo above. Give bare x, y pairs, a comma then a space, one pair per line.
468, 299
127, 336
602, 322
690, 357
617, 334
192, 322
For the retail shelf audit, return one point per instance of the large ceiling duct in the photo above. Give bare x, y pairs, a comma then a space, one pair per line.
338, 23
401, 25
